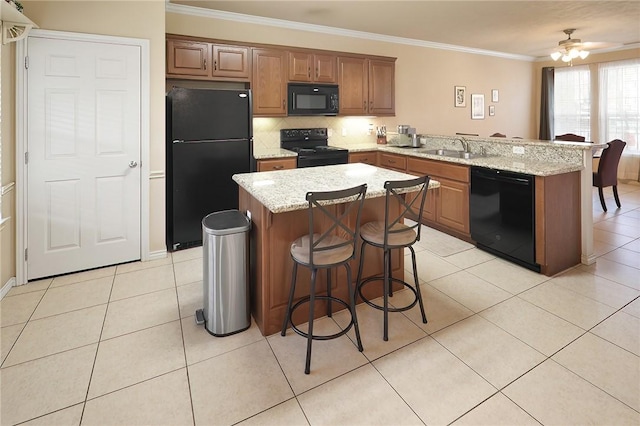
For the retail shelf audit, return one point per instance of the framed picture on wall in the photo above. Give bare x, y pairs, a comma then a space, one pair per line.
460, 96
492, 110
477, 106
494, 95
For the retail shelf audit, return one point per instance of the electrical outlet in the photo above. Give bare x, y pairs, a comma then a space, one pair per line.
344, 131
518, 149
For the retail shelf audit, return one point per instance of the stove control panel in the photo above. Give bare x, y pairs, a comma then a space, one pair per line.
303, 134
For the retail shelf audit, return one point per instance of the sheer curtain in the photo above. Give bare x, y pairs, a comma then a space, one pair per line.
619, 111
572, 101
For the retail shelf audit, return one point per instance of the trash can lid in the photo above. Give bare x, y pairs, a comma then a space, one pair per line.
225, 222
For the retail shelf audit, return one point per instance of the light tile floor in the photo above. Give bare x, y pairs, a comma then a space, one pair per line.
503, 345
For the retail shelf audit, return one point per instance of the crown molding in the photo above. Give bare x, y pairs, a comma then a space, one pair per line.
300, 26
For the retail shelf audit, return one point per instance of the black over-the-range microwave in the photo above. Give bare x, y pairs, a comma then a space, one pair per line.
312, 99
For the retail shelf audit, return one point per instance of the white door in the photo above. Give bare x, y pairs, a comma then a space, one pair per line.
83, 147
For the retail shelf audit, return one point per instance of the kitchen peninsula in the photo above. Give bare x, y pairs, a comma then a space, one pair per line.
276, 202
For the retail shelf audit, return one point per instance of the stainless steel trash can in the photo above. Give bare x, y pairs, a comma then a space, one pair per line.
225, 242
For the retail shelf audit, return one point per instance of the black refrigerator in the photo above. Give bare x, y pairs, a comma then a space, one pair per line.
209, 139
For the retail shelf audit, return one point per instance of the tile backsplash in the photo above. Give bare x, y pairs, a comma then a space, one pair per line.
342, 130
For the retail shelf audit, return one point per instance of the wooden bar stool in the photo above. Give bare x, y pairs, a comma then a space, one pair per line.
334, 245
394, 234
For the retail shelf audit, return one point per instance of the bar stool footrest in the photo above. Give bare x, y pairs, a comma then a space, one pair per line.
307, 299
390, 309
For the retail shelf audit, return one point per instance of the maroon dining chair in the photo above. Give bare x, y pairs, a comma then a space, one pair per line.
571, 137
607, 174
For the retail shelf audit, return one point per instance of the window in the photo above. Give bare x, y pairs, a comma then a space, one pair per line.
616, 101
572, 101
619, 102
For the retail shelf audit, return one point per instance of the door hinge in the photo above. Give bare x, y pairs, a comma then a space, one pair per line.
26, 62
26, 158
26, 254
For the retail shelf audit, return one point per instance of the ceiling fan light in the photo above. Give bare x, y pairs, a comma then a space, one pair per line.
574, 53
584, 54
566, 58
556, 55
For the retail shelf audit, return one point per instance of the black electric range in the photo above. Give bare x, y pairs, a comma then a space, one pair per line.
312, 147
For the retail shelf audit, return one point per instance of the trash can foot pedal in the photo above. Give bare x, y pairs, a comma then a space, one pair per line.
200, 317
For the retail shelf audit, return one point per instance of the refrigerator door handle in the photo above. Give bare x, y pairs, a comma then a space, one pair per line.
178, 141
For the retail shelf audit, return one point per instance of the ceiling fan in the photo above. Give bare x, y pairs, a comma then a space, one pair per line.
573, 48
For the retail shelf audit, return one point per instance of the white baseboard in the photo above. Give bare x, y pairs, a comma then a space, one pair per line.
160, 254
7, 286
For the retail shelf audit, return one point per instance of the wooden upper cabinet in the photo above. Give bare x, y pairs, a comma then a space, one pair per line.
188, 58
231, 61
311, 67
382, 87
367, 86
269, 82
354, 85
208, 61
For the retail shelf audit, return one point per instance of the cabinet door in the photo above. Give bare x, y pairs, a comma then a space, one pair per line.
452, 209
300, 66
276, 164
269, 82
325, 67
381, 87
188, 58
363, 157
429, 208
231, 61
354, 86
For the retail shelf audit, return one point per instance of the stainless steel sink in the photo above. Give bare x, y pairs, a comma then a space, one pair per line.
452, 153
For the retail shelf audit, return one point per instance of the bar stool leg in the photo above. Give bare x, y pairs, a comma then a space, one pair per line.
352, 301
328, 292
359, 277
292, 290
386, 278
390, 274
415, 279
312, 300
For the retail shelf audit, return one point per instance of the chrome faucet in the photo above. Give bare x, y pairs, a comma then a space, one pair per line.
465, 144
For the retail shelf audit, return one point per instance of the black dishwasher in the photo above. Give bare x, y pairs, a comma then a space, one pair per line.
502, 214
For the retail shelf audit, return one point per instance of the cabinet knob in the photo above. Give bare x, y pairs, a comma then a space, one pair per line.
215, 65
205, 63
309, 72
278, 167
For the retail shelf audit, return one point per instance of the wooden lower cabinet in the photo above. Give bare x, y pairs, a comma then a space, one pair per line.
449, 209
276, 164
369, 157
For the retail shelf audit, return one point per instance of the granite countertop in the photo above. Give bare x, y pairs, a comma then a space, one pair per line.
519, 165
265, 153
285, 190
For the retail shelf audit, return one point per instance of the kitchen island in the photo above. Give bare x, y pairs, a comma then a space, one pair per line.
276, 203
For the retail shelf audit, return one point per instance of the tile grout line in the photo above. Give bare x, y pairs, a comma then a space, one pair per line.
95, 357
184, 348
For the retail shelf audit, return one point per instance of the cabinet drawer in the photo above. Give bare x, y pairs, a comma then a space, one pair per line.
438, 168
276, 164
363, 157
392, 161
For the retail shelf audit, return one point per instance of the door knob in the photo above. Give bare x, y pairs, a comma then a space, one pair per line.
133, 164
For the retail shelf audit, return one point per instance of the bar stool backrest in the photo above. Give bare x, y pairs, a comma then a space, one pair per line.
408, 205
351, 199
